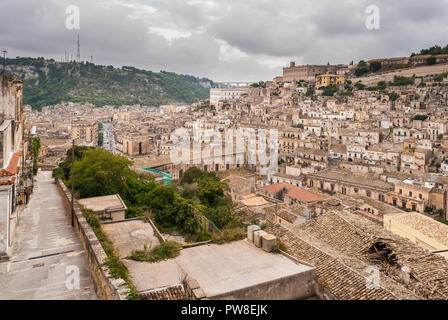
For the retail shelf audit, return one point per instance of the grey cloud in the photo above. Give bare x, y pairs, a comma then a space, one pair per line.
117, 32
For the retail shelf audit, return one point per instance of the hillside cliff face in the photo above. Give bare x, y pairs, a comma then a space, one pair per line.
47, 82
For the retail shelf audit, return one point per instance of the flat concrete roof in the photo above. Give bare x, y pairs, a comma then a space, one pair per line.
112, 202
219, 269
130, 235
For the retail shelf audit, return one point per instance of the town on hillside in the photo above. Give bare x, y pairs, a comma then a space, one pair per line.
324, 182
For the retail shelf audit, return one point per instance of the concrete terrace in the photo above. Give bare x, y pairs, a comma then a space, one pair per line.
44, 246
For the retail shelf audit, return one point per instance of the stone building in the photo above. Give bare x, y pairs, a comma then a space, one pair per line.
85, 132
13, 150
135, 144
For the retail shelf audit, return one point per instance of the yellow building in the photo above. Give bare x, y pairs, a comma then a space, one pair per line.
325, 80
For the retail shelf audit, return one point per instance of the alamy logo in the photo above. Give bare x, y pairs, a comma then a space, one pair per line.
72, 20
72, 280
373, 278
241, 146
373, 17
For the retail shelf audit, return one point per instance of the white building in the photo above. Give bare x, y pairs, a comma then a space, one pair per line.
226, 94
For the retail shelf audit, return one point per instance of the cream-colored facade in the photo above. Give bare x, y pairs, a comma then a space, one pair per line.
85, 131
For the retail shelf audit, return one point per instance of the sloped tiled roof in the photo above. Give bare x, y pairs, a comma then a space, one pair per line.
169, 293
295, 192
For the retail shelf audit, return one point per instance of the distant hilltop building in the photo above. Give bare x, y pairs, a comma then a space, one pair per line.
309, 72
226, 94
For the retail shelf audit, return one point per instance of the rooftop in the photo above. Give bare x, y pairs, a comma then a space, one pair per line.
220, 270
295, 192
111, 202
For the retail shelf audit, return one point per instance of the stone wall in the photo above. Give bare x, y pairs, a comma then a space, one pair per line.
106, 287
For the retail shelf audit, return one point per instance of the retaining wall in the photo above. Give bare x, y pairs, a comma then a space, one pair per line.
106, 287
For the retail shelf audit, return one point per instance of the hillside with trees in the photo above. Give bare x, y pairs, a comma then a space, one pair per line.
47, 82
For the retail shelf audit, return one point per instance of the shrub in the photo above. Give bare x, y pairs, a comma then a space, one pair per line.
229, 235
164, 251
280, 246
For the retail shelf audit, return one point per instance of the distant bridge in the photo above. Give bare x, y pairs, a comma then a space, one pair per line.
233, 84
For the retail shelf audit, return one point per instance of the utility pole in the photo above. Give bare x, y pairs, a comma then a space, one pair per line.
73, 179
4, 67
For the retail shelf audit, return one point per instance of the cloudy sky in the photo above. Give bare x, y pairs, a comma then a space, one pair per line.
225, 40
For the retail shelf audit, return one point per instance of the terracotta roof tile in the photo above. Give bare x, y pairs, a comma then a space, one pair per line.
295, 192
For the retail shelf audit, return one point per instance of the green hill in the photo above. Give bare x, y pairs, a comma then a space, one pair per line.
47, 82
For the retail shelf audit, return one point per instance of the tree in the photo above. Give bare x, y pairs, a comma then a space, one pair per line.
375, 66
361, 71
36, 147
431, 61
362, 63
381, 85
101, 173
393, 96
210, 189
194, 173
421, 117
360, 86
310, 92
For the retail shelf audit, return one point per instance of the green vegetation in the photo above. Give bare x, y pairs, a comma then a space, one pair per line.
440, 136
99, 172
280, 246
393, 96
421, 117
51, 82
381, 85
116, 267
260, 84
310, 92
362, 63
431, 61
100, 139
205, 105
375, 66
434, 50
36, 147
171, 211
360, 86
229, 235
401, 81
360, 71
329, 91
166, 250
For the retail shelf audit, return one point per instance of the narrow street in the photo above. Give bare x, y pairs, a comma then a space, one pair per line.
47, 251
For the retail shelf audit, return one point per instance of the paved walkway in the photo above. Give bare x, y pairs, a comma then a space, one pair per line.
46, 251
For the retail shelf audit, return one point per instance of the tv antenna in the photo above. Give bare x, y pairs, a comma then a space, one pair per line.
78, 56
